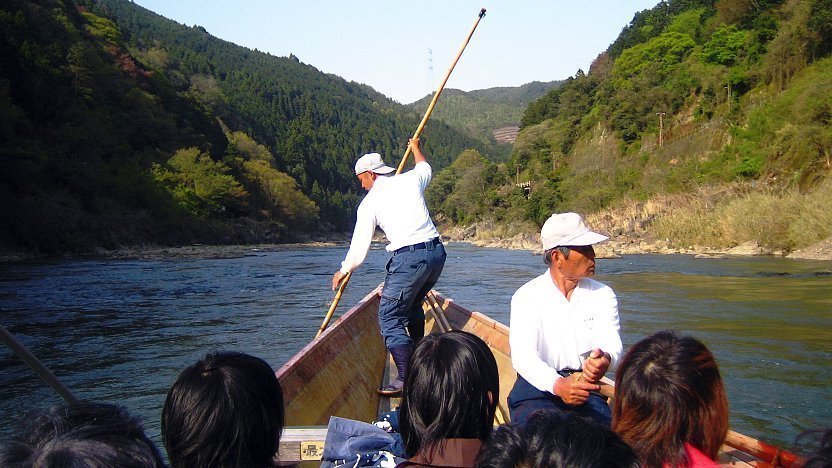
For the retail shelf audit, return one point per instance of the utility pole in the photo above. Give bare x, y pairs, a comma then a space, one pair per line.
517, 177
430, 69
661, 129
729, 92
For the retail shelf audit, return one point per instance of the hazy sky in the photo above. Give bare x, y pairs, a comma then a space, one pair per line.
385, 44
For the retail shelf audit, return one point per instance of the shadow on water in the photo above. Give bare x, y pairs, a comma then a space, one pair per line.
120, 331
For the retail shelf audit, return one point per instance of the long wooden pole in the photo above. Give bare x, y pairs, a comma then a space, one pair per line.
416, 134
439, 90
32, 361
334, 304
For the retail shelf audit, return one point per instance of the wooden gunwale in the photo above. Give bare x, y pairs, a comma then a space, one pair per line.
355, 377
337, 373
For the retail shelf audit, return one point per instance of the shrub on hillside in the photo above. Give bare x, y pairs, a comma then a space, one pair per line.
200, 184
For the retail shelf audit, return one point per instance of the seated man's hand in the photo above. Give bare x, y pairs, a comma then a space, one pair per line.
596, 365
573, 390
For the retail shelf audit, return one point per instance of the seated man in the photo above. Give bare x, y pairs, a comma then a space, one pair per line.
82, 434
225, 410
564, 328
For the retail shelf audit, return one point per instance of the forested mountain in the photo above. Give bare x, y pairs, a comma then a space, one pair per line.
122, 127
689, 63
480, 112
735, 95
81, 124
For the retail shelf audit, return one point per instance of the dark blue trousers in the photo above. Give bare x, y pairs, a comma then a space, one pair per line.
410, 276
524, 399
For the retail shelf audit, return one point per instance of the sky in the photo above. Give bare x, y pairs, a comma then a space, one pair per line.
392, 45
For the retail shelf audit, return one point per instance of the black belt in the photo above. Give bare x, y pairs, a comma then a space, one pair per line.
420, 245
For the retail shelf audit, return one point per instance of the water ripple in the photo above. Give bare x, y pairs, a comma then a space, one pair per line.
121, 331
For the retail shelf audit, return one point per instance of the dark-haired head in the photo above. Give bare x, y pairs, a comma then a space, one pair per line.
821, 457
451, 391
226, 410
507, 448
668, 393
89, 435
550, 439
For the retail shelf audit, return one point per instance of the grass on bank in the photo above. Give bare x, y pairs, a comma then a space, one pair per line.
785, 220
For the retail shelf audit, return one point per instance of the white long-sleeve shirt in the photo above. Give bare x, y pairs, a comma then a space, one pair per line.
397, 205
549, 333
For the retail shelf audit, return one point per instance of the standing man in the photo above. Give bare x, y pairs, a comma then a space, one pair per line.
397, 204
564, 328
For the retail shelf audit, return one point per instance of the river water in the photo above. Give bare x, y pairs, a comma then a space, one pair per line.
121, 330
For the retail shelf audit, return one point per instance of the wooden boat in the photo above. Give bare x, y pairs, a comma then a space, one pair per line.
337, 374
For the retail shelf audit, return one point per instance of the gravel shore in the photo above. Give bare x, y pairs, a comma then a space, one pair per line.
615, 247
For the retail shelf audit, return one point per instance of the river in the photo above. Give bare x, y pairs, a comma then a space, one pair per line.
121, 330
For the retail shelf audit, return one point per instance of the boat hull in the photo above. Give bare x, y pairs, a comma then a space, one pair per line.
337, 374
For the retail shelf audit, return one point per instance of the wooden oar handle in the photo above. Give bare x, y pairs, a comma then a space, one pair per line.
768, 453
36, 365
606, 389
334, 304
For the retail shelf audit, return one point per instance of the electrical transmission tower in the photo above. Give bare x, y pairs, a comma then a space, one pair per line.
430, 70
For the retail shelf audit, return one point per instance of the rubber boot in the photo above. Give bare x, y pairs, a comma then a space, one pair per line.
401, 357
416, 330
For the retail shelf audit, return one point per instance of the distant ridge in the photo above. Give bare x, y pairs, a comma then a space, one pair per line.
481, 112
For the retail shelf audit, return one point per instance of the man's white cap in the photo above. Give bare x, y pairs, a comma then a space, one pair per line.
372, 162
563, 229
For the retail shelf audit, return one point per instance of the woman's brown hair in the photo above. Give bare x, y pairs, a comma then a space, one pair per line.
668, 393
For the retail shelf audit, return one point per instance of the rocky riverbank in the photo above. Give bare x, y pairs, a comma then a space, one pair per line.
157, 252
481, 235
630, 243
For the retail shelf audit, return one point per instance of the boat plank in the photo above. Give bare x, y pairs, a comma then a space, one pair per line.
299, 444
338, 374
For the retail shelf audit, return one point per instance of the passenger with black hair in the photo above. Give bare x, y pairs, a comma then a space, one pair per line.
224, 411
450, 398
86, 434
556, 440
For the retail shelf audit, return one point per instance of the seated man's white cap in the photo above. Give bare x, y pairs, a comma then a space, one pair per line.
372, 162
565, 229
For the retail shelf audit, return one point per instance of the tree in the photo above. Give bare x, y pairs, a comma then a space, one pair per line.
789, 50
820, 23
201, 185
726, 45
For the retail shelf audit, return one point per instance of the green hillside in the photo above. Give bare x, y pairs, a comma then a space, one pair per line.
480, 112
741, 93
121, 127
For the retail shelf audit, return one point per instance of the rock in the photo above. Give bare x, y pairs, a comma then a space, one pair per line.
517, 242
750, 248
709, 255
820, 251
